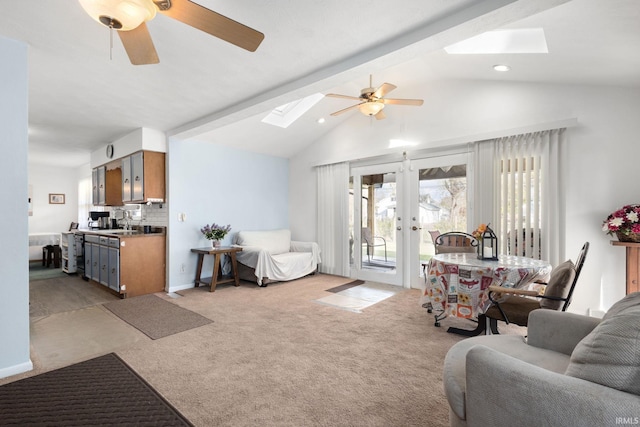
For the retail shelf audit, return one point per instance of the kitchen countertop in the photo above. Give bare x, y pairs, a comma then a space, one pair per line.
155, 231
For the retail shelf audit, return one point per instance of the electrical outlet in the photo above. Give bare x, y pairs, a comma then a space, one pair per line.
182, 268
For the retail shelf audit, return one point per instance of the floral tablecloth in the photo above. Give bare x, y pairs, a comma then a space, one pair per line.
456, 284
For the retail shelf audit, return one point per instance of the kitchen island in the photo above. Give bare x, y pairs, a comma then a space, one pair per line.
127, 262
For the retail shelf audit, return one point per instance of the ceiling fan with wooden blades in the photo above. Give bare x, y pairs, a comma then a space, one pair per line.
372, 101
129, 18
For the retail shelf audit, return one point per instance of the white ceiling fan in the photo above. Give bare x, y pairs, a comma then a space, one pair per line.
372, 100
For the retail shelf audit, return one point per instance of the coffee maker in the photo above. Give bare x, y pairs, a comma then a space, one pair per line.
99, 220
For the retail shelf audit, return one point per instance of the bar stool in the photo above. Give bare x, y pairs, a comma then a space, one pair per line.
51, 253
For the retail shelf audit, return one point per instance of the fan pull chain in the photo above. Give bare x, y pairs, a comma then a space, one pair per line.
110, 42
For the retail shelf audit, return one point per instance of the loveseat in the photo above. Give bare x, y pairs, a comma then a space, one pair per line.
271, 256
570, 370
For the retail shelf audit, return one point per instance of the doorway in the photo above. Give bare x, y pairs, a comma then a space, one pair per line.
376, 241
396, 211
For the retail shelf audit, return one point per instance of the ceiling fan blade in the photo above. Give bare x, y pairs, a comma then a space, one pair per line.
383, 90
215, 24
336, 95
403, 101
139, 46
353, 107
380, 115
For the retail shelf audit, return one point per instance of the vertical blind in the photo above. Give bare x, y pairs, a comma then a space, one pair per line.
527, 194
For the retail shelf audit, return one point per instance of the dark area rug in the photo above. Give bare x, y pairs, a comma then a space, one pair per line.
100, 391
345, 286
155, 317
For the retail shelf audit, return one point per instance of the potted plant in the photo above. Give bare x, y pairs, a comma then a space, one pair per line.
215, 233
624, 223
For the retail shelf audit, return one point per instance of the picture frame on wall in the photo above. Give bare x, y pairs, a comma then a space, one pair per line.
56, 199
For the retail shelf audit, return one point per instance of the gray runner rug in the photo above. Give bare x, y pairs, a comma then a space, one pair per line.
156, 317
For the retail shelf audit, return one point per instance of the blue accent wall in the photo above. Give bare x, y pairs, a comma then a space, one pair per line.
215, 183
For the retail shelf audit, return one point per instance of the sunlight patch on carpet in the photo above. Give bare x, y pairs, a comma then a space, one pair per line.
357, 298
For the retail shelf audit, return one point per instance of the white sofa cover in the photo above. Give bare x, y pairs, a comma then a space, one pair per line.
274, 256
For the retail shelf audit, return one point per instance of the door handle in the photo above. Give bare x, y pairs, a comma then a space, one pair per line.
399, 228
414, 228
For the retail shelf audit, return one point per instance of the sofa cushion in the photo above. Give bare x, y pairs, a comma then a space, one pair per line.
273, 241
610, 354
559, 285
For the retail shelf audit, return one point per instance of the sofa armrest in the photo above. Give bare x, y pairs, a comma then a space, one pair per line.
249, 255
502, 390
313, 247
558, 331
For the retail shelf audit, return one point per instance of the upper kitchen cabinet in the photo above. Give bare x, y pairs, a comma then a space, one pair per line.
99, 187
107, 189
143, 177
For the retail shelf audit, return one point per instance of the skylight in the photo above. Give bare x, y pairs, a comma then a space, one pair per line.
521, 40
286, 114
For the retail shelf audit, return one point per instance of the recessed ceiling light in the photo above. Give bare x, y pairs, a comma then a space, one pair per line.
501, 67
520, 40
321, 120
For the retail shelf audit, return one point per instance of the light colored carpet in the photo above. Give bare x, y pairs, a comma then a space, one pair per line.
273, 357
156, 317
276, 358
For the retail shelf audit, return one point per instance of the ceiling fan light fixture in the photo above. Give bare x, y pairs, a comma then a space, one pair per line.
370, 108
122, 15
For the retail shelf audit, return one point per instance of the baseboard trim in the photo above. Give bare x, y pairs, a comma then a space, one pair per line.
16, 369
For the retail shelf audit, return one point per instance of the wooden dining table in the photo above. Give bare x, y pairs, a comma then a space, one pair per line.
456, 284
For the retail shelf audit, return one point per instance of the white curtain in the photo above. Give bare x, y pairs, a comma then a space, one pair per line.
527, 193
333, 218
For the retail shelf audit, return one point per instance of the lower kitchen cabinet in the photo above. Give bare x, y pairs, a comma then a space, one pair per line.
130, 266
142, 264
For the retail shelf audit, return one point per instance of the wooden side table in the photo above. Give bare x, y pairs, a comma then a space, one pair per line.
633, 265
217, 277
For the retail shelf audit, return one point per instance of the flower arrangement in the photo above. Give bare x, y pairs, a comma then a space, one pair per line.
625, 221
215, 231
477, 233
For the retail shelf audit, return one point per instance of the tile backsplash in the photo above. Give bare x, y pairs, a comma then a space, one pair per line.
155, 214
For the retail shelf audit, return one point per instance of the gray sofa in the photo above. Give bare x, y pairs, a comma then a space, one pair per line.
571, 370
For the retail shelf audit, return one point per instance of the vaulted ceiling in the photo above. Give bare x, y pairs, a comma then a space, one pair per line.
208, 89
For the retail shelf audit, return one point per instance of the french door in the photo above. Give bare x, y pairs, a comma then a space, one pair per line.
393, 209
376, 223
440, 201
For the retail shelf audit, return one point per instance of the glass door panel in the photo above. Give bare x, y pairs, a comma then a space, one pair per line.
377, 228
439, 200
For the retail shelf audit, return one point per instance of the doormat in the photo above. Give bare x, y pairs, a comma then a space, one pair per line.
155, 317
100, 391
345, 286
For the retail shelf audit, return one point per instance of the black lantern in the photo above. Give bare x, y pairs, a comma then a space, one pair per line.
488, 245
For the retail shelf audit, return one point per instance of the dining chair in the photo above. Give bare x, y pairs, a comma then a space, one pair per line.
372, 242
434, 235
518, 303
455, 242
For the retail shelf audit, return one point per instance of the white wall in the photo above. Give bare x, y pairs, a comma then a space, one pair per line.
214, 183
52, 217
601, 169
14, 277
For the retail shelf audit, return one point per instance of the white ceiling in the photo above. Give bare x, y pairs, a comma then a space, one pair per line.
205, 88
